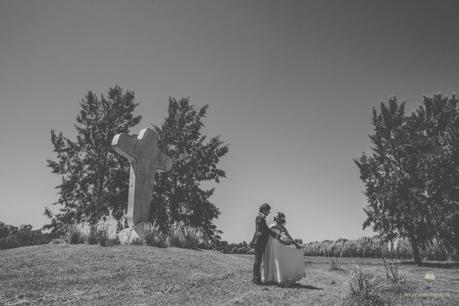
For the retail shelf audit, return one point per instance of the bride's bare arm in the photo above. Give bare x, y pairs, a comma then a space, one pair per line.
292, 241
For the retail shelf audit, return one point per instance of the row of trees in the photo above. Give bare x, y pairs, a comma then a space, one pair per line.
95, 179
411, 177
13, 237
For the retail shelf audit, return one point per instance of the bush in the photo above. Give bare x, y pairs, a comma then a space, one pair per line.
436, 251
6, 230
184, 236
137, 241
155, 237
75, 236
9, 243
13, 237
93, 237
114, 241
102, 237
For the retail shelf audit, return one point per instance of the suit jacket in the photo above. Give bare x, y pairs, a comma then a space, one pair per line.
262, 231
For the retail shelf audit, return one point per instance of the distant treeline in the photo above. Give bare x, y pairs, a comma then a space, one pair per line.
374, 247
14, 237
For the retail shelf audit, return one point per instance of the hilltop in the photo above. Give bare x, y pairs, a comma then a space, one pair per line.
130, 274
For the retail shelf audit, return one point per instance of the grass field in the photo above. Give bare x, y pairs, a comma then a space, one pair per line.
132, 275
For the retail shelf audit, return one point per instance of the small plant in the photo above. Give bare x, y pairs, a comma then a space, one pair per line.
335, 265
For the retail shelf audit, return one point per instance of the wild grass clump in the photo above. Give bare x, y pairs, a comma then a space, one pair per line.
155, 237
335, 265
393, 274
367, 290
396, 281
184, 236
362, 289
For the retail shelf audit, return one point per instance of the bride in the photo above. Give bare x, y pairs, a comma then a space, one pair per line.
282, 265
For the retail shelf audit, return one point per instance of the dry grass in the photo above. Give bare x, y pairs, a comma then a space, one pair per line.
335, 264
132, 274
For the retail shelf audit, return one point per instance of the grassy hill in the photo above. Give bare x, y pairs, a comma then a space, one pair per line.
88, 274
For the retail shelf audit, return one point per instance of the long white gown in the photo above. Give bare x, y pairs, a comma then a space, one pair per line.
282, 265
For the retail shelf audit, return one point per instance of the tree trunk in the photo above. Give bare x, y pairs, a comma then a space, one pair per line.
414, 246
456, 236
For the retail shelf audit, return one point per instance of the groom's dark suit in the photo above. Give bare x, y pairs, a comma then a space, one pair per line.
262, 231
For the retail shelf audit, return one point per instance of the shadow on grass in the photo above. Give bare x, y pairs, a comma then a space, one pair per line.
443, 265
294, 286
300, 286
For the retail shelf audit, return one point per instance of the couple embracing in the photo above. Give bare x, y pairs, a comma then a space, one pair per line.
279, 263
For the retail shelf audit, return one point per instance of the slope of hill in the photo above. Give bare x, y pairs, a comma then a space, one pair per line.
88, 274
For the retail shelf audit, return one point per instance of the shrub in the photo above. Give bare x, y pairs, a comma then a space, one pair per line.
435, 251
93, 237
13, 237
114, 241
75, 236
102, 237
137, 241
155, 237
6, 230
9, 242
184, 236
26, 236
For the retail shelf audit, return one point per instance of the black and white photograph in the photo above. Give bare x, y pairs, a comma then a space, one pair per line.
231, 152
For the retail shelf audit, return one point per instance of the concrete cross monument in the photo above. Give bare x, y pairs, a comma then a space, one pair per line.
144, 157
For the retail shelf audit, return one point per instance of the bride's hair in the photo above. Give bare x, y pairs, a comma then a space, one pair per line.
279, 216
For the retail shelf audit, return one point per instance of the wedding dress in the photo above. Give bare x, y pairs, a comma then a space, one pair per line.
282, 265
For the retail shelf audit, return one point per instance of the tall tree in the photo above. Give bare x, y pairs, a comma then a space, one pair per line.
94, 178
435, 126
411, 178
178, 195
392, 209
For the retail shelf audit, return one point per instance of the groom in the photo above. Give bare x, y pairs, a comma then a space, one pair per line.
259, 240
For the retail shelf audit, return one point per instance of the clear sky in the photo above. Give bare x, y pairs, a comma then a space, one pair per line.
290, 85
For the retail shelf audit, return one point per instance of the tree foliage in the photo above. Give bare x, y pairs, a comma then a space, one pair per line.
94, 178
411, 177
179, 195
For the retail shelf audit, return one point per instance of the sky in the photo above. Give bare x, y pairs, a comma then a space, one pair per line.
290, 87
